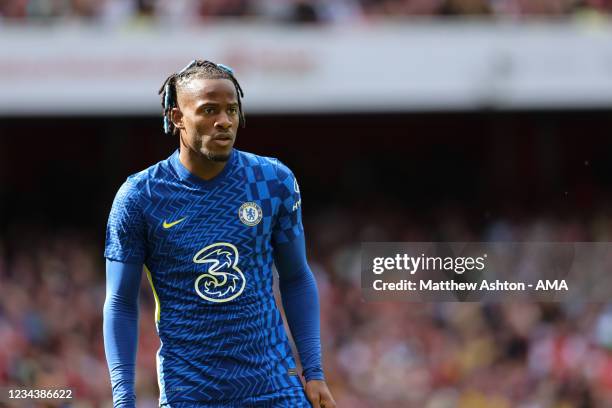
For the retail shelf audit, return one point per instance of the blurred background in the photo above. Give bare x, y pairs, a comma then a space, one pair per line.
404, 120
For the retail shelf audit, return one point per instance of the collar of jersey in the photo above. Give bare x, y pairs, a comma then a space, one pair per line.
187, 176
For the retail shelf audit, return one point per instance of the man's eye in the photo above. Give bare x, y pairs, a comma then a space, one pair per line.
209, 111
233, 110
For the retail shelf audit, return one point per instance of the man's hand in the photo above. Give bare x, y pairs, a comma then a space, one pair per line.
318, 394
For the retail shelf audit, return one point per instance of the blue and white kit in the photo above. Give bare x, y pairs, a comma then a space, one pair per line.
208, 248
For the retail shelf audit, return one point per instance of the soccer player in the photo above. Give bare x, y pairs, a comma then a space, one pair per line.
207, 223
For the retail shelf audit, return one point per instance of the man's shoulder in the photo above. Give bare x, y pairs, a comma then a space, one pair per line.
137, 184
270, 166
254, 160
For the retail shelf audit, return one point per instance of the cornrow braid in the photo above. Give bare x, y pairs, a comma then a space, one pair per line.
195, 69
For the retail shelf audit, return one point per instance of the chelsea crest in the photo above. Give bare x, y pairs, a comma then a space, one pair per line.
250, 213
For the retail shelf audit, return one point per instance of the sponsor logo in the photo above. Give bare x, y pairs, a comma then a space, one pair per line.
167, 224
297, 205
223, 281
296, 188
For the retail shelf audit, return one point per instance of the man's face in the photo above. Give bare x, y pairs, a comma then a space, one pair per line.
208, 116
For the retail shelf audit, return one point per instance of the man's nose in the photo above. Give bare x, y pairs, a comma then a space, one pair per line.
223, 121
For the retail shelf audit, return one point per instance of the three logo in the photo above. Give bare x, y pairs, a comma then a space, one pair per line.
223, 281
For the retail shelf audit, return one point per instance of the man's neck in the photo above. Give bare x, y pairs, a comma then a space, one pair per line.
199, 165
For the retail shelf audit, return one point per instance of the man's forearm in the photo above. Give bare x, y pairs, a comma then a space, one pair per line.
121, 329
301, 303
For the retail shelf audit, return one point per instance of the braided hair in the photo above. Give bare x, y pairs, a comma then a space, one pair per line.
195, 69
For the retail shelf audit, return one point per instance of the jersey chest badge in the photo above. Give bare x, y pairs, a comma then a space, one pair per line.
250, 213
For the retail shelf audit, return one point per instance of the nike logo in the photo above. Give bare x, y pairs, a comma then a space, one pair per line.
167, 225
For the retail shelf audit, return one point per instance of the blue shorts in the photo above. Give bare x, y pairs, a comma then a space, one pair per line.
293, 397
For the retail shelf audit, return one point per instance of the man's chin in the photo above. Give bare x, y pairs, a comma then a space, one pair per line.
218, 156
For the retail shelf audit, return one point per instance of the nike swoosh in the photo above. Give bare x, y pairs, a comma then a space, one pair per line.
172, 224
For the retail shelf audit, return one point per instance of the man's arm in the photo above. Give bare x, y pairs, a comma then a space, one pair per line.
121, 328
298, 287
301, 303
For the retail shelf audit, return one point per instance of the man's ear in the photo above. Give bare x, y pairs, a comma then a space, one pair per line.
177, 118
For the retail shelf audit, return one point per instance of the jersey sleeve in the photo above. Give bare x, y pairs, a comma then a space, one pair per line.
301, 303
120, 328
288, 223
125, 232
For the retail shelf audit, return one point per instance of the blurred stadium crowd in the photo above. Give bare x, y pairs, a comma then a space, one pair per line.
383, 355
298, 11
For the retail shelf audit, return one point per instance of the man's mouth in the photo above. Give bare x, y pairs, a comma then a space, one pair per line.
222, 140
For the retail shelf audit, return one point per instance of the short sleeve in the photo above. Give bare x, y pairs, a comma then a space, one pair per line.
288, 223
125, 232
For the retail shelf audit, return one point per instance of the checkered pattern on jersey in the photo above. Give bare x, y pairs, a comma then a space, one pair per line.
210, 351
275, 188
289, 218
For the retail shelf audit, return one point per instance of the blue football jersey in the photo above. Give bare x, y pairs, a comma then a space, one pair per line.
207, 247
